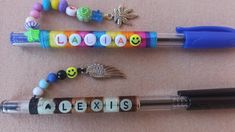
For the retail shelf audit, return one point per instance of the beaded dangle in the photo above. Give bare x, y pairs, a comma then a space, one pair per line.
120, 15
97, 71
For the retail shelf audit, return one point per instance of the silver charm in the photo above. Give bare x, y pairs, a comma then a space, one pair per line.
100, 71
121, 16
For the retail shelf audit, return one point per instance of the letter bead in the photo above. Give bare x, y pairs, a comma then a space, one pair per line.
120, 40
80, 106
105, 40
90, 39
75, 39
111, 105
65, 106
61, 40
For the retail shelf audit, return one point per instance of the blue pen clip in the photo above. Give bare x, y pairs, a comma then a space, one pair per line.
208, 37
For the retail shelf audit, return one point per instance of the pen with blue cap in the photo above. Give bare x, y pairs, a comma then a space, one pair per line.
185, 100
199, 37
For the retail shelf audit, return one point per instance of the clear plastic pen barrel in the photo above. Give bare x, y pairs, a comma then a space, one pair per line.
163, 103
42, 106
15, 107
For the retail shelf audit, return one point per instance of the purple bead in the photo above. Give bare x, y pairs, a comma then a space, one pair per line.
35, 14
37, 6
63, 5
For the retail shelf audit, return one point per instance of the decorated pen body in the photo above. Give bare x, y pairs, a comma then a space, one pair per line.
186, 37
186, 100
43, 106
75, 39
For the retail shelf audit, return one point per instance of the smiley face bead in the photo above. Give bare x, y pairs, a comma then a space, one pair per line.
135, 40
84, 14
72, 72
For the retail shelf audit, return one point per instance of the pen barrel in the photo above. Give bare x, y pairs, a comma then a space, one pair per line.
85, 39
42, 106
12, 107
163, 103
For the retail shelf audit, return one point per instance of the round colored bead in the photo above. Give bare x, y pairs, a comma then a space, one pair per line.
84, 14
63, 5
37, 6
52, 78
71, 11
38, 92
43, 84
61, 75
46, 5
31, 25
28, 19
55, 4
35, 14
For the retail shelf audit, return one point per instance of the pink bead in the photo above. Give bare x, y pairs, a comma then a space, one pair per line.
37, 6
35, 14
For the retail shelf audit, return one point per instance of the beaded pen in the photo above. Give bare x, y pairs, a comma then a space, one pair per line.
190, 37
188, 100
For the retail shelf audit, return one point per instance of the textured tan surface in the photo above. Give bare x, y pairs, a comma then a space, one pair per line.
150, 71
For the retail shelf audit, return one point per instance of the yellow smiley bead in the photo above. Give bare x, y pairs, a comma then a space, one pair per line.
135, 40
55, 4
72, 72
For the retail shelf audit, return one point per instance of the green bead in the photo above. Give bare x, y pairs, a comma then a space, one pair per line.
84, 14
32, 35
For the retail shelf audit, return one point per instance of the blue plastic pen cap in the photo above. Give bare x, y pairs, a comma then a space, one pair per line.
208, 37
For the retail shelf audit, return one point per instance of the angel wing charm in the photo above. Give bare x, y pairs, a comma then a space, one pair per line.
100, 71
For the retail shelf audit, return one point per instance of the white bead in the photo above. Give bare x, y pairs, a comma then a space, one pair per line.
125, 105
105, 40
31, 25
90, 39
71, 11
38, 92
96, 105
120, 40
80, 106
65, 106
75, 39
61, 40
111, 105
28, 19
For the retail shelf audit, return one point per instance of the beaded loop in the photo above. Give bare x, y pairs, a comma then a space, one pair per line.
83, 14
97, 71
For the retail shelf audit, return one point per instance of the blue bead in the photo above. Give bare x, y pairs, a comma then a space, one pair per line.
43, 84
46, 5
52, 78
97, 16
